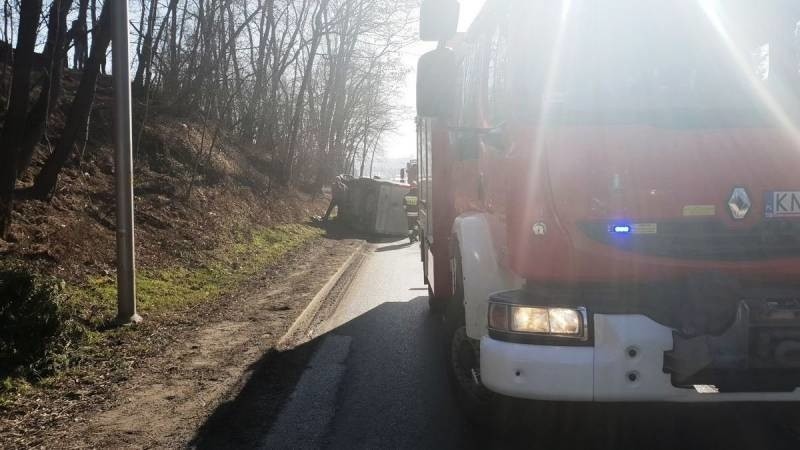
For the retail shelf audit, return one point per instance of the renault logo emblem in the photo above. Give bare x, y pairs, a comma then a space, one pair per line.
539, 229
739, 203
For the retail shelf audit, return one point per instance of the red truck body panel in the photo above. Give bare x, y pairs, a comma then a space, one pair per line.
647, 175
435, 203
671, 181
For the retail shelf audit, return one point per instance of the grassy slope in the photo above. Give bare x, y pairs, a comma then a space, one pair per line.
166, 288
160, 291
235, 225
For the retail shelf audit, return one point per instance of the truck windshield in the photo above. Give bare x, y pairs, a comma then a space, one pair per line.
644, 55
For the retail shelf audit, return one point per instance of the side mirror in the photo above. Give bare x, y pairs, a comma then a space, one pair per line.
438, 19
436, 83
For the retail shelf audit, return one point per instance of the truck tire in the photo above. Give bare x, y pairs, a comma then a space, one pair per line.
462, 356
436, 305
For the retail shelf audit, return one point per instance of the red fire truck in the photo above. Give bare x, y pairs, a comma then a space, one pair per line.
610, 200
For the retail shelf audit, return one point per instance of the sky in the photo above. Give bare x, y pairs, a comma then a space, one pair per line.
403, 143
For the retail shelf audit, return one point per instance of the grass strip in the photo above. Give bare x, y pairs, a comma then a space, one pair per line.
169, 288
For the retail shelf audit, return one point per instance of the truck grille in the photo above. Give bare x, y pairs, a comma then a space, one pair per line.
705, 240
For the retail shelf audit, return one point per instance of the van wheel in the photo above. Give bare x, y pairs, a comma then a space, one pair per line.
463, 361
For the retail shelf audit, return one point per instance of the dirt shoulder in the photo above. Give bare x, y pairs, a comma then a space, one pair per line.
176, 369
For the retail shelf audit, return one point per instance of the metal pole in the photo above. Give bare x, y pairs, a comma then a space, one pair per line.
126, 267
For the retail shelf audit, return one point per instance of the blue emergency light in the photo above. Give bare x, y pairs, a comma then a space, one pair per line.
622, 229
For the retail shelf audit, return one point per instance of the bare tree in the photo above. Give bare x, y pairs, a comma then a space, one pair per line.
30, 11
307, 83
78, 115
55, 54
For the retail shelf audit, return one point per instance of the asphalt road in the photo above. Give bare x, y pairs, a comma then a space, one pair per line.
377, 380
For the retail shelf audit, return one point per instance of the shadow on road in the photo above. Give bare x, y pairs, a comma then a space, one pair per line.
388, 248
645, 426
336, 229
242, 422
394, 390
395, 395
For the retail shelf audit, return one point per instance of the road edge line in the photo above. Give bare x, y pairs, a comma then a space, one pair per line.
310, 311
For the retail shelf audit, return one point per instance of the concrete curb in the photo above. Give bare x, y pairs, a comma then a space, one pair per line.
303, 321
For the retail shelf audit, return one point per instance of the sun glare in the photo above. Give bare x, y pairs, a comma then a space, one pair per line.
549, 94
729, 38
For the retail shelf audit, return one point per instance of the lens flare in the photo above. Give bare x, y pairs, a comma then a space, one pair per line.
729, 36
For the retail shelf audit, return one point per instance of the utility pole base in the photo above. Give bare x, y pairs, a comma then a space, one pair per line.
128, 320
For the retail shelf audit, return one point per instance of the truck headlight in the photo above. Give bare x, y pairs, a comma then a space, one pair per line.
554, 321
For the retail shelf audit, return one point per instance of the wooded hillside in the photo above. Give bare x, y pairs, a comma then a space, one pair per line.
306, 85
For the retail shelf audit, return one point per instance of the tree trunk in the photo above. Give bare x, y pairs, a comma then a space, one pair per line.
30, 11
366, 146
78, 116
249, 131
298, 109
55, 52
93, 7
145, 55
6, 52
83, 35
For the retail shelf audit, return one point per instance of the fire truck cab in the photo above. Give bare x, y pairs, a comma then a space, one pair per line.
609, 198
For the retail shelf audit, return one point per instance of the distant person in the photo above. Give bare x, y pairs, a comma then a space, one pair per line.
411, 205
338, 196
79, 36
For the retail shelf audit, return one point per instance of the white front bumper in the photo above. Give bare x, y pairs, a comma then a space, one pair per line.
604, 372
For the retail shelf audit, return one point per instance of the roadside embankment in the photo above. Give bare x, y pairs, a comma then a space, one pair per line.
153, 384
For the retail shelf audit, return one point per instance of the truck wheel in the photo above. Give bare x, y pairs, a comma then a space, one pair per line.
463, 355
463, 368
480, 405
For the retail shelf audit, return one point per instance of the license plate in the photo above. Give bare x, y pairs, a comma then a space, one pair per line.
782, 204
